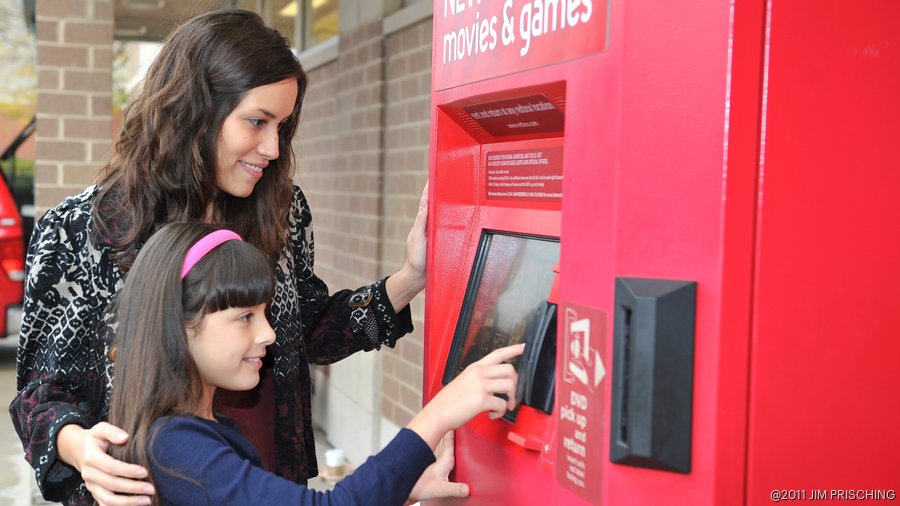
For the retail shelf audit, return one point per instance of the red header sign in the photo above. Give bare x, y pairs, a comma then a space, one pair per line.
480, 39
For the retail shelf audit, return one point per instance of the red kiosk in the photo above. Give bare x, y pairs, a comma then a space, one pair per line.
689, 212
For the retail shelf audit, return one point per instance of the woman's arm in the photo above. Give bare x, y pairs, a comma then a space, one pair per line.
337, 325
104, 476
61, 363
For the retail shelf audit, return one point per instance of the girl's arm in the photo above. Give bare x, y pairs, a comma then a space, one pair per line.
435, 481
472, 392
197, 461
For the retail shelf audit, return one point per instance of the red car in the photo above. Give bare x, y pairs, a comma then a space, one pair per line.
12, 255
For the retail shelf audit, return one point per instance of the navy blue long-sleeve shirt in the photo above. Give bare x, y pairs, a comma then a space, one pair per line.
198, 461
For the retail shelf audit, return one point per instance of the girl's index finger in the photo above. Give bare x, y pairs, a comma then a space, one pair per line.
503, 354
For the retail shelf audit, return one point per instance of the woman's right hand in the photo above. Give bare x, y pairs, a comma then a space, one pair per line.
105, 477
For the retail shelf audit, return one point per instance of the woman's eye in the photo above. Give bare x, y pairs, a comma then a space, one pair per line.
257, 122
244, 317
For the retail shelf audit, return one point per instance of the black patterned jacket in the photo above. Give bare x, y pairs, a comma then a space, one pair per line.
64, 373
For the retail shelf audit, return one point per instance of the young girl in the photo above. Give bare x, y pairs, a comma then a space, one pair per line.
193, 318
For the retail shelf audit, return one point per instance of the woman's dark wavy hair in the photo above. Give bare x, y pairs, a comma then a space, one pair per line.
163, 165
155, 375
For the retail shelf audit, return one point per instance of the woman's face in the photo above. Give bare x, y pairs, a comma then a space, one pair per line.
249, 138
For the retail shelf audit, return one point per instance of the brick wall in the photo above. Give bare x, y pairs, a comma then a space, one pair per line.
363, 161
340, 159
74, 95
341, 171
407, 108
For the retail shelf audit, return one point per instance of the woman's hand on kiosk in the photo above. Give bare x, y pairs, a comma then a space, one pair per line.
410, 279
106, 478
435, 481
473, 391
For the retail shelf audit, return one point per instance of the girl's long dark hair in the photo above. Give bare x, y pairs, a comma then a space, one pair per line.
163, 164
155, 375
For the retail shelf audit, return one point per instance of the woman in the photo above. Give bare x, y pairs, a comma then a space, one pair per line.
206, 138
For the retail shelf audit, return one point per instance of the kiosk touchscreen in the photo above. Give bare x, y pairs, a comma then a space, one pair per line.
506, 303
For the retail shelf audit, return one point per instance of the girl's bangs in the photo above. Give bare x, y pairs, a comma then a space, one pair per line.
241, 277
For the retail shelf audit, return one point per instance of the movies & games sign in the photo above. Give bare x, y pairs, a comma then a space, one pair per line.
480, 39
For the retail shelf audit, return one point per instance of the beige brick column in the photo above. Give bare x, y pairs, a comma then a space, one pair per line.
74, 95
341, 170
363, 158
344, 178
407, 120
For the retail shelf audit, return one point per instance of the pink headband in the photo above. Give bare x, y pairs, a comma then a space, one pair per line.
204, 246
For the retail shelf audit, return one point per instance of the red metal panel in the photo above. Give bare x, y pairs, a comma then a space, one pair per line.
671, 177
645, 176
825, 379
738, 208
664, 134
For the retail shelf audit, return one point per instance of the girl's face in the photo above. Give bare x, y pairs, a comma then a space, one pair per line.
228, 347
249, 138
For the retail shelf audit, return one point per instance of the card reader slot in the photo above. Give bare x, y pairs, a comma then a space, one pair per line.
537, 366
652, 390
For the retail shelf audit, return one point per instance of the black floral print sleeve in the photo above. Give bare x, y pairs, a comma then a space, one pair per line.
313, 327
63, 372
348, 320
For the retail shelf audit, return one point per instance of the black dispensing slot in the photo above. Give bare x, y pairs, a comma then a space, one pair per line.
537, 367
653, 371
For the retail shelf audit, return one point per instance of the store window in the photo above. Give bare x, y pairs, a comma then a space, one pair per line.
320, 21
309, 22
281, 14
